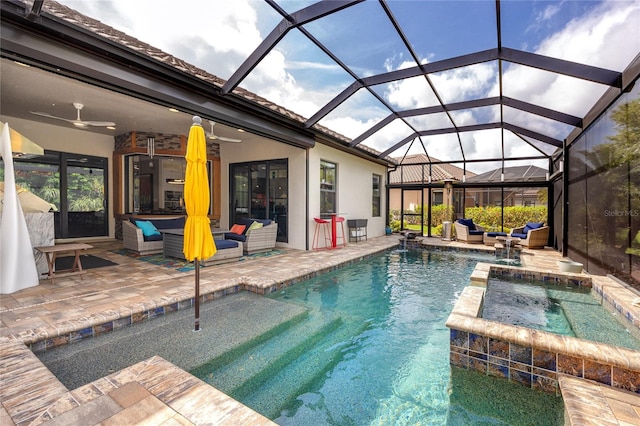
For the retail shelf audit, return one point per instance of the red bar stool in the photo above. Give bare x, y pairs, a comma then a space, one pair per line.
340, 222
323, 226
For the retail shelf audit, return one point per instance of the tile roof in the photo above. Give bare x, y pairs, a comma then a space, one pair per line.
511, 174
414, 172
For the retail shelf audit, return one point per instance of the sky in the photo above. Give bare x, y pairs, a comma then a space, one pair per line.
218, 35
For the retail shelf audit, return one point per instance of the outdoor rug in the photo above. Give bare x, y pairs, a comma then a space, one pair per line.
183, 265
88, 261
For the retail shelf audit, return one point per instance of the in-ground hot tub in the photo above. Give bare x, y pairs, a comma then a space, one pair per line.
536, 358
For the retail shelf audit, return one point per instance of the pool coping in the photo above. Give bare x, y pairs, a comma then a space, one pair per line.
154, 390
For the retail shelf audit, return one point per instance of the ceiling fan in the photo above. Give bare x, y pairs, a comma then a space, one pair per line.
78, 122
220, 138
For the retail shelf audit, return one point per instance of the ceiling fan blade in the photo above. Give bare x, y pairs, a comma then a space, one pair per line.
99, 123
78, 122
44, 114
223, 139
213, 136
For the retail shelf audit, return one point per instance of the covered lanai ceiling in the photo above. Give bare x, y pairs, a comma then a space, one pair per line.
458, 81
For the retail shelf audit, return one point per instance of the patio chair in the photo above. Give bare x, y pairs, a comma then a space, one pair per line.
532, 235
469, 232
255, 239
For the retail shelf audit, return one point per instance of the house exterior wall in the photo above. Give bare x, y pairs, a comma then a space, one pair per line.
354, 188
63, 139
354, 185
270, 150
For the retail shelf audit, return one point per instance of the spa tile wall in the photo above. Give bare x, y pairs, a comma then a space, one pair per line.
532, 367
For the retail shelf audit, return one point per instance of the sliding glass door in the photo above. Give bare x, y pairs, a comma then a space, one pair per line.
75, 184
260, 190
84, 201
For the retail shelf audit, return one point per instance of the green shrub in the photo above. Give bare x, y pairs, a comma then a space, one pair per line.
514, 216
440, 213
395, 225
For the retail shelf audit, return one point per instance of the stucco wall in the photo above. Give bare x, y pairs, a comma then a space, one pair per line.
354, 188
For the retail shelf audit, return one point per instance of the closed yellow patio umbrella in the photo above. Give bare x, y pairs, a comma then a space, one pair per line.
198, 240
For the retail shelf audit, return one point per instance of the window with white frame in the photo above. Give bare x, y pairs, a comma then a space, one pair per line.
375, 201
328, 179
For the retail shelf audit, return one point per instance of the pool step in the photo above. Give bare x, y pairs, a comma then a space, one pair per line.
205, 371
243, 370
282, 387
253, 368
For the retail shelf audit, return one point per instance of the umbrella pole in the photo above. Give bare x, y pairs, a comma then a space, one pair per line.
197, 325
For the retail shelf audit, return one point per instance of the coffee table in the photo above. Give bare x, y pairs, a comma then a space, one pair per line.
173, 240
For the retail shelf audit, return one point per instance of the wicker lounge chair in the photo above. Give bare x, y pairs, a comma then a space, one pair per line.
532, 235
469, 232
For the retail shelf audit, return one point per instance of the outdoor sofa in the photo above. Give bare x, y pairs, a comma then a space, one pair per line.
532, 235
255, 238
469, 232
134, 237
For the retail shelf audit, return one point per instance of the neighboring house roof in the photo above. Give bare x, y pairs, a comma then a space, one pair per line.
511, 174
415, 169
74, 17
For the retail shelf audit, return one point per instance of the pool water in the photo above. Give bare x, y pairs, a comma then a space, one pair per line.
373, 349
556, 308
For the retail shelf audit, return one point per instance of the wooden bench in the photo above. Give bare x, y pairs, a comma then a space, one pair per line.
51, 252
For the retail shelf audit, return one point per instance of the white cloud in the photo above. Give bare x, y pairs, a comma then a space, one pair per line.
216, 38
472, 82
597, 38
549, 12
348, 126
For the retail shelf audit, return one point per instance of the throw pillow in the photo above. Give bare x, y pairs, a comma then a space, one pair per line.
148, 228
468, 223
237, 229
255, 225
531, 226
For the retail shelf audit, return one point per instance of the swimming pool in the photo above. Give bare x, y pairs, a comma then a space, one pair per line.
373, 348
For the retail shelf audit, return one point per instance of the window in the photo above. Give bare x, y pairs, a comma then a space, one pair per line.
438, 198
155, 185
328, 201
74, 183
375, 208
